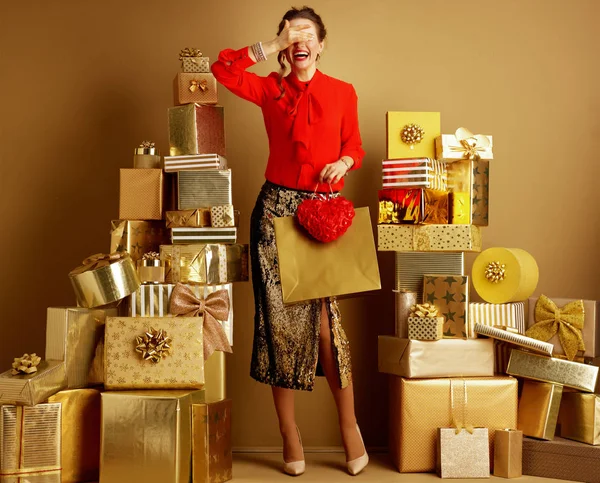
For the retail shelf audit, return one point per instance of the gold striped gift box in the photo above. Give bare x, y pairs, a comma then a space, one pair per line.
414, 173
204, 188
411, 266
188, 235
194, 162
510, 315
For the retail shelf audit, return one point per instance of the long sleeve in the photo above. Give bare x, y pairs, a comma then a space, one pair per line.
230, 70
351, 141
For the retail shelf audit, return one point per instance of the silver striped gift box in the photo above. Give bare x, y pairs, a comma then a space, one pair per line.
414, 173
506, 315
411, 266
189, 235
194, 162
204, 188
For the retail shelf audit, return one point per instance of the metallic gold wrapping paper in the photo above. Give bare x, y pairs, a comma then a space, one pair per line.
508, 452
80, 414
411, 267
50, 477
146, 436
215, 377
432, 359
196, 129
30, 440
425, 328
32, 389
538, 409
418, 407
450, 294
591, 325
182, 368
463, 455
191, 218
414, 173
548, 369
468, 182
521, 275
395, 122
411, 206
187, 236
404, 301
206, 264
510, 315
515, 339
449, 149
579, 417
190, 87
428, 238
137, 237
141, 194
72, 335
203, 188
211, 445
106, 284
151, 271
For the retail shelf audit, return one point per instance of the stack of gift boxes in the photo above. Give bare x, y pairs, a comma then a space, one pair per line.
132, 386
454, 398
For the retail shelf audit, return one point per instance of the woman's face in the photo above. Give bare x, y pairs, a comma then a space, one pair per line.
303, 55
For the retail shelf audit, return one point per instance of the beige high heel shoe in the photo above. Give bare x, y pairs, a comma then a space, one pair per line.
357, 465
295, 468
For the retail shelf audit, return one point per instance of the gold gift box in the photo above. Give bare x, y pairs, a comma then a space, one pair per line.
199, 217
463, 454
211, 444
579, 417
411, 267
146, 436
223, 216
206, 264
137, 237
418, 407
190, 87
429, 238
511, 315
72, 335
414, 173
468, 182
450, 294
508, 452
80, 434
195, 64
32, 389
432, 359
448, 148
425, 328
548, 369
182, 368
413, 205
538, 409
215, 377
30, 440
203, 188
396, 121
196, 129
141, 194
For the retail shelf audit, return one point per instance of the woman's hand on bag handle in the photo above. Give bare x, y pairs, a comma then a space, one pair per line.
333, 172
288, 36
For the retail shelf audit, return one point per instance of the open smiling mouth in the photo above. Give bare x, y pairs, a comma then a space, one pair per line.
301, 55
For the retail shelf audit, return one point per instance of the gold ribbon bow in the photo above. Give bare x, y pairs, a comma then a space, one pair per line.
424, 310
470, 144
151, 256
567, 321
214, 308
27, 364
195, 85
153, 345
189, 52
98, 260
146, 144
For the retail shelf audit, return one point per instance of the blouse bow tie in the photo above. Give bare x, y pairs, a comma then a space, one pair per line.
305, 111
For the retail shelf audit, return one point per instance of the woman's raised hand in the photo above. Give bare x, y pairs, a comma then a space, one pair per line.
291, 35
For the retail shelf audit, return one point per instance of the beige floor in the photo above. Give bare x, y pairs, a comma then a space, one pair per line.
330, 468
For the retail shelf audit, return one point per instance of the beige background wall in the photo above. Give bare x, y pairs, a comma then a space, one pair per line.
82, 83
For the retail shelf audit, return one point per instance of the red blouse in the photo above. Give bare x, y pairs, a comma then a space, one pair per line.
315, 123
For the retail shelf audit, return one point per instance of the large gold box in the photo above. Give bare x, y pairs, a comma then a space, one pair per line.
579, 417
429, 238
32, 389
538, 409
395, 123
418, 407
141, 195
137, 237
80, 434
211, 444
127, 368
434, 359
196, 129
146, 436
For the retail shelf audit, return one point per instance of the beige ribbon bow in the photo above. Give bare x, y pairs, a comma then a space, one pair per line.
214, 308
98, 260
470, 144
189, 52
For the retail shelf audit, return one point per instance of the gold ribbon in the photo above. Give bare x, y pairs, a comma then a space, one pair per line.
153, 345
98, 260
146, 144
189, 52
27, 364
151, 256
214, 308
506, 328
567, 321
456, 424
412, 134
201, 85
470, 144
424, 310
495, 271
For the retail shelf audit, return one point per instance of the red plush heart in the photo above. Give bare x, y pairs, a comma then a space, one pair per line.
326, 219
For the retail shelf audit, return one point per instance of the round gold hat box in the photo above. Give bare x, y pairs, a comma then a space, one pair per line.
502, 275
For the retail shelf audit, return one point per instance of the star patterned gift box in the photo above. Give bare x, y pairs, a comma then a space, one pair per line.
450, 294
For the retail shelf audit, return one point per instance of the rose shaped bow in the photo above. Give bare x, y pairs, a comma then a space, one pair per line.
97, 261
470, 144
567, 321
214, 308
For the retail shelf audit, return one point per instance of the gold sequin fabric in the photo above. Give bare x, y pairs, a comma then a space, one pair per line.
286, 336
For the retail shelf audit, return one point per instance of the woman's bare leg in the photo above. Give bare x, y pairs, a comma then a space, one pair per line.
284, 405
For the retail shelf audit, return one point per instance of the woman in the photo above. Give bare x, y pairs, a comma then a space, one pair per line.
314, 140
